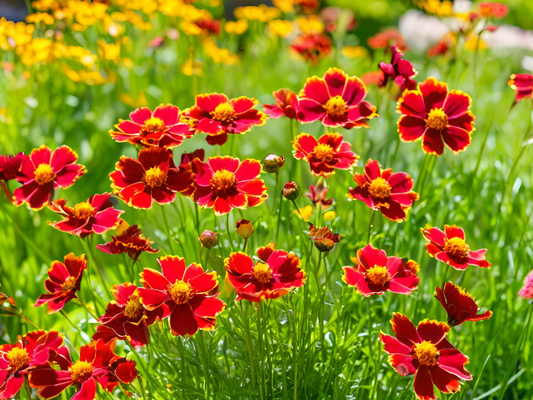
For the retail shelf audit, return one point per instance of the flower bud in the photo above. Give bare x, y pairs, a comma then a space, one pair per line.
291, 191
244, 228
272, 163
209, 239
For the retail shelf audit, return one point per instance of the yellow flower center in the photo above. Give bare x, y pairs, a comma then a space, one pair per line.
83, 210
413, 266
17, 358
152, 125
323, 152
378, 275
379, 188
181, 292
262, 273
223, 180
80, 371
457, 249
336, 107
224, 112
154, 177
426, 353
437, 119
134, 309
44, 174
69, 284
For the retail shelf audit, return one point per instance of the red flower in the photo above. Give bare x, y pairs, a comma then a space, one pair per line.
318, 195
17, 360
43, 171
187, 180
188, 294
450, 247
426, 352
312, 46
459, 305
276, 275
162, 128
286, 104
492, 9
95, 215
387, 38
436, 116
330, 152
208, 26
63, 282
523, 84
126, 318
323, 238
526, 292
130, 242
9, 166
337, 100
218, 116
384, 190
399, 70
375, 273
225, 183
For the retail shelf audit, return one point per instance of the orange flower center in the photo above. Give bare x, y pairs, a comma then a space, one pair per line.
18, 358
152, 125
69, 284
83, 210
134, 309
262, 273
224, 112
379, 188
413, 266
378, 275
223, 180
181, 292
437, 119
323, 152
80, 371
44, 174
426, 353
336, 107
457, 248
154, 177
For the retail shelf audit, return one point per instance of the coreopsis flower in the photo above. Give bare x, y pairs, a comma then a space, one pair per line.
399, 70
488, 9
526, 292
130, 242
244, 228
459, 305
436, 116
96, 215
225, 183
275, 275
323, 238
209, 239
318, 194
291, 191
64, 279
187, 292
312, 46
272, 163
217, 116
187, 176
160, 128
286, 104
9, 166
523, 84
330, 152
17, 360
391, 193
126, 318
385, 39
42, 171
411, 265
336, 100
450, 247
425, 352
375, 273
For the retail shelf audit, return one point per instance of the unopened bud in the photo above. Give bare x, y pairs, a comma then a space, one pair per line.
209, 239
244, 228
272, 163
291, 191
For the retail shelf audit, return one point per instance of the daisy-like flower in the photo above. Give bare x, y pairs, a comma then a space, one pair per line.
218, 116
160, 128
42, 171
96, 215
336, 100
323, 238
375, 273
9, 166
130, 242
276, 275
318, 194
386, 38
330, 152
399, 70
459, 305
187, 176
437, 116
225, 183
450, 247
526, 292
391, 193
286, 104
425, 352
312, 46
126, 318
523, 84
187, 294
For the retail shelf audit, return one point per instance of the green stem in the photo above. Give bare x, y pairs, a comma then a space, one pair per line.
370, 226
244, 245
169, 236
206, 367
229, 232
71, 323
249, 345
262, 386
87, 308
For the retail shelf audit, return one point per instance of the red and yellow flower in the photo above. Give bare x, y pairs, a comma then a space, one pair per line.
523, 84
130, 242
323, 238
312, 46
187, 176
286, 104
459, 305
387, 38
9, 166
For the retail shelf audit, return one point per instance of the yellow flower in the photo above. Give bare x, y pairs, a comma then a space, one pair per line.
354, 51
286, 6
190, 68
219, 56
34, 52
109, 51
330, 215
40, 17
134, 103
436, 7
473, 43
306, 213
260, 13
87, 13
281, 28
311, 24
237, 27
190, 28
14, 34
88, 77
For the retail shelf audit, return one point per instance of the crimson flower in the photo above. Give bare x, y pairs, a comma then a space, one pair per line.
450, 247
286, 104
425, 352
9, 166
318, 194
436, 116
399, 70
526, 292
225, 183
459, 305
386, 39
330, 152
63, 282
95, 215
187, 294
523, 84
312, 46
160, 128
43, 171
323, 238
186, 172
208, 26
216, 115
384, 190
375, 273
130, 242
275, 275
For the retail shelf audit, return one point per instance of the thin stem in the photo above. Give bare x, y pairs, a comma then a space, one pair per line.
98, 267
207, 258
85, 306
64, 314
244, 245
249, 344
370, 225
278, 209
204, 361
197, 212
169, 236
262, 386
228, 231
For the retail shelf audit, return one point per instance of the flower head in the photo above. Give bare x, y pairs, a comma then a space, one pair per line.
399, 70
130, 242
318, 194
490, 9
209, 239
523, 84
9, 166
272, 163
459, 305
387, 38
291, 191
244, 228
323, 238
526, 291
286, 104
312, 46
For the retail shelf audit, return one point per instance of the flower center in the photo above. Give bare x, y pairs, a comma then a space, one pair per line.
426, 353
134, 309
154, 177
44, 174
18, 358
437, 119
336, 107
181, 292
378, 275
457, 249
262, 273
223, 180
80, 371
68, 284
323, 152
83, 210
152, 125
223, 113
379, 188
